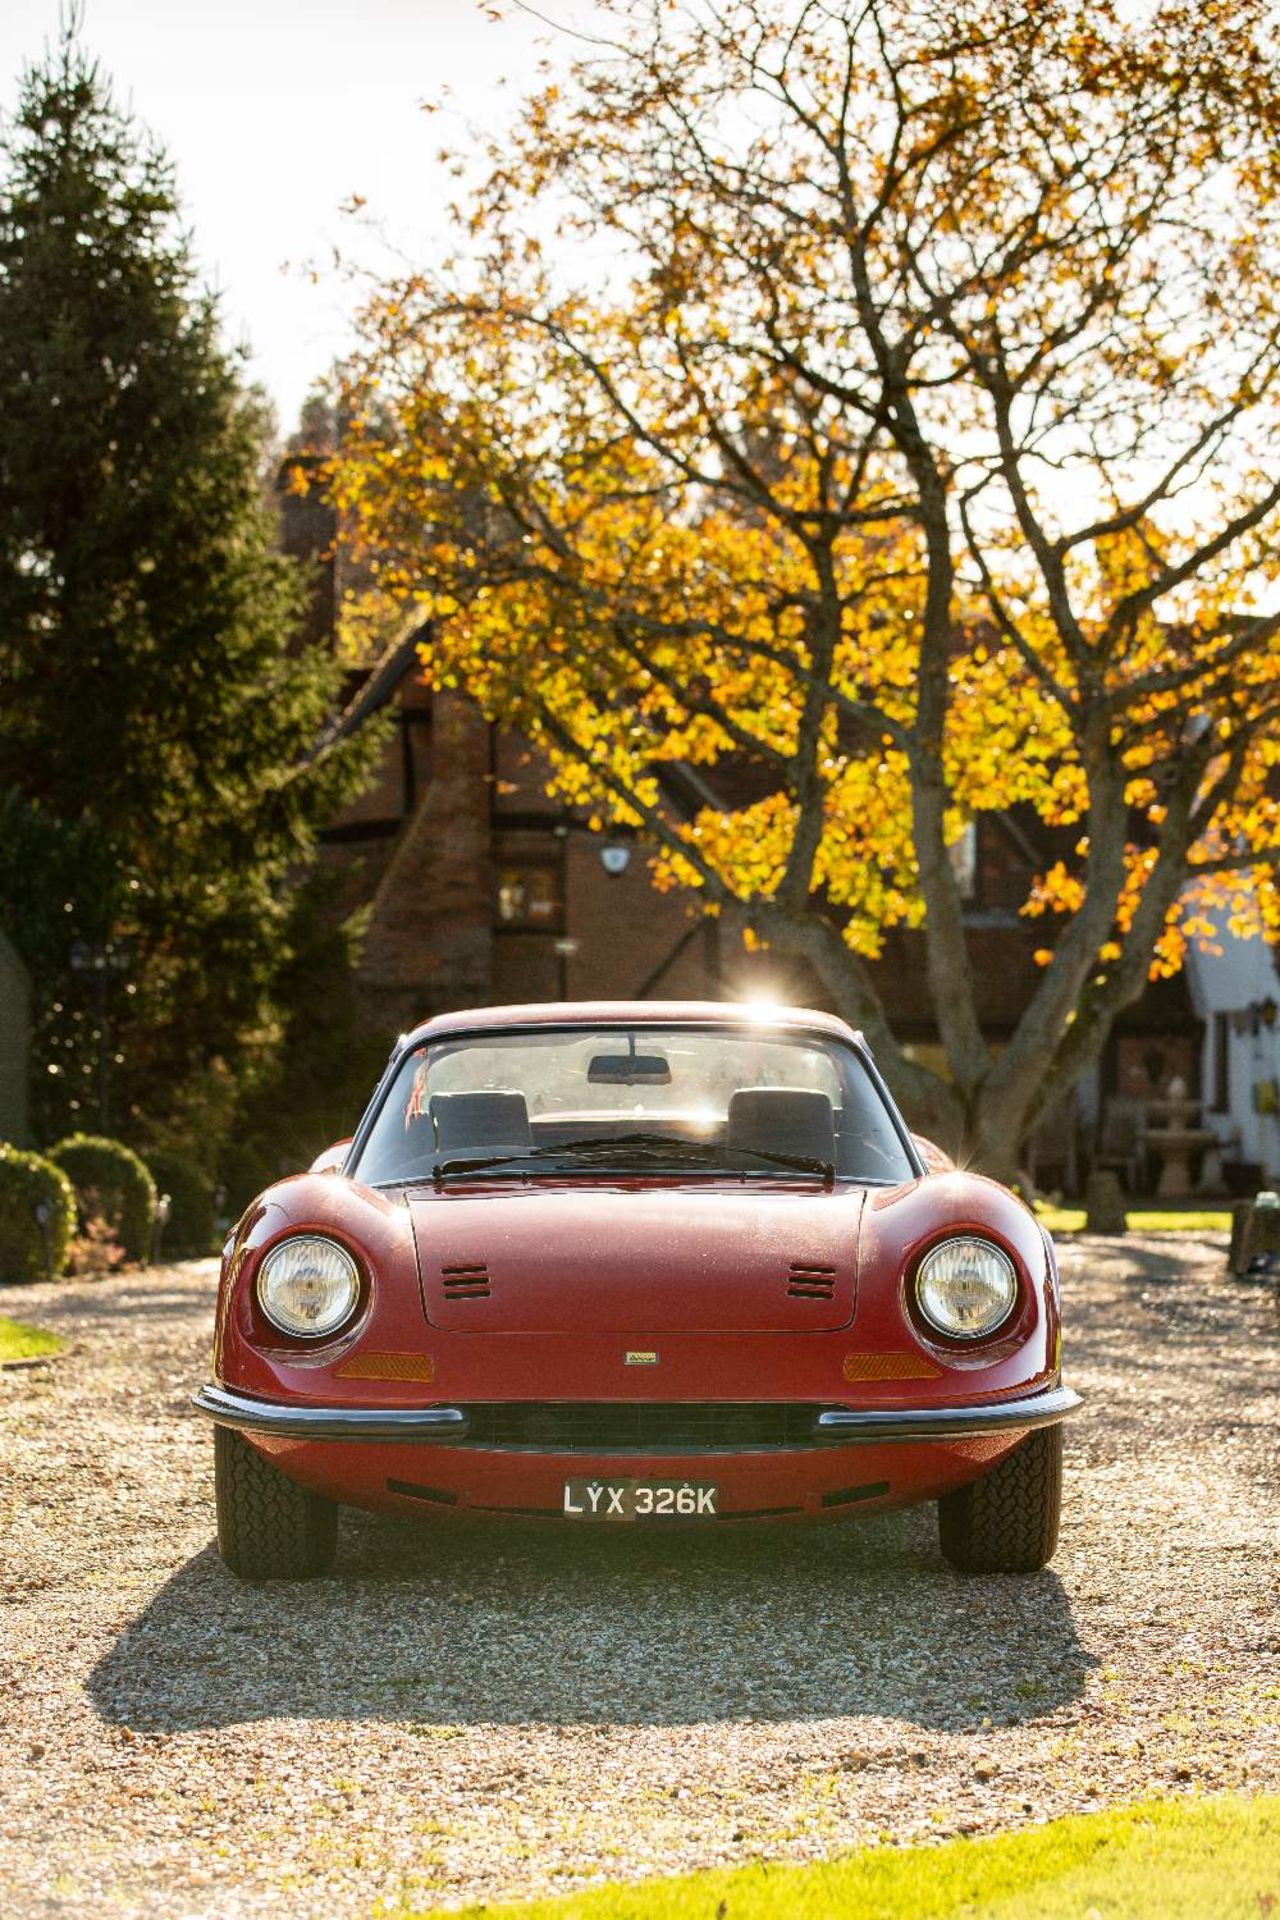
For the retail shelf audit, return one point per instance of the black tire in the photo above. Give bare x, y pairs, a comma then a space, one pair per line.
269, 1528
1007, 1522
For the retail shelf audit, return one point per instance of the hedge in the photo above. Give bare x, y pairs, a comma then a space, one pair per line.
189, 1228
28, 1251
111, 1181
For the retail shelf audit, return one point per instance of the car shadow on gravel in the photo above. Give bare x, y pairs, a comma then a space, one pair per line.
470, 1626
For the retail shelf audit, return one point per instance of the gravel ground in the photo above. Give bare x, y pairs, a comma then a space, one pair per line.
486, 1714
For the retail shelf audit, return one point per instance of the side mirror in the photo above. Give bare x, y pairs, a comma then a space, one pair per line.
935, 1160
330, 1161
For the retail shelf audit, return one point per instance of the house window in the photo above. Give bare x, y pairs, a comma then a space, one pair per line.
1222, 1063
529, 895
964, 862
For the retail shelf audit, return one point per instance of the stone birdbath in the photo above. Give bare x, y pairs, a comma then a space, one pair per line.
1173, 1136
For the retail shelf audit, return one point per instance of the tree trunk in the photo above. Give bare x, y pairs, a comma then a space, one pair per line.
931, 1105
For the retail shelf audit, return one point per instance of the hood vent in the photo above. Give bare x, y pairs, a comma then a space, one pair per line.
807, 1282
585, 1259
466, 1283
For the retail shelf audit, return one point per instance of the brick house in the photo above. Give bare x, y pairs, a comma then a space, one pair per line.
479, 888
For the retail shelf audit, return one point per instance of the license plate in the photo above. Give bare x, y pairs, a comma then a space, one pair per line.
639, 1499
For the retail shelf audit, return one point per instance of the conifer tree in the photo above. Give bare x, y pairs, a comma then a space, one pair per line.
154, 702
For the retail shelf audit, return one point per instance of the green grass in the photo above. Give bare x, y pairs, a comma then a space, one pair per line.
1168, 1860
1140, 1220
18, 1341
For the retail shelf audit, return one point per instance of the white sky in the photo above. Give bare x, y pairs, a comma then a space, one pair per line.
275, 112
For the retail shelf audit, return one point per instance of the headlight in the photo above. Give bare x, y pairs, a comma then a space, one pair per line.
966, 1288
308, 1286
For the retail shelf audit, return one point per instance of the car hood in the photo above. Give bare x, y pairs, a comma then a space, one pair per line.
603, 1257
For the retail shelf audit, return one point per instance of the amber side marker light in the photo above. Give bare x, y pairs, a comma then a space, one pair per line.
889, 1366
388, 1366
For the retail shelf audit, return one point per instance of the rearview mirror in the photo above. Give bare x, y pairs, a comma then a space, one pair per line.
629, 1070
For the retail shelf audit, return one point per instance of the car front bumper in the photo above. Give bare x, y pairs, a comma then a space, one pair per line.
447, 1426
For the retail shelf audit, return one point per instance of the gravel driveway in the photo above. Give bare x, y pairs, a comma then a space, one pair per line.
487, 1714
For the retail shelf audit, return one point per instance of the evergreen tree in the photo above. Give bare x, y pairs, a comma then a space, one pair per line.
152, 699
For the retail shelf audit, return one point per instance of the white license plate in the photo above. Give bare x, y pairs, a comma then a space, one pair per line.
639, 1499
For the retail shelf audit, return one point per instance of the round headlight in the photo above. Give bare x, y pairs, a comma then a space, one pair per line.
966, 1288
308, 1286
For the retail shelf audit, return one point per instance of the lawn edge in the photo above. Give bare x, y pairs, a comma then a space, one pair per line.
1101, 1827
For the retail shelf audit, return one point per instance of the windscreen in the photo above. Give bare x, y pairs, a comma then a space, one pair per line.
681, 1099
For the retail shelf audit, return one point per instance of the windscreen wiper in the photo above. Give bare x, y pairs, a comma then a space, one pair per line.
478, 1163
608, 1144
661, 1143
553, 1150
802, 1162
570, 1150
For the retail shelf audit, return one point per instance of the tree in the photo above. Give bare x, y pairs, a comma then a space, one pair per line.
883, 395
157, 733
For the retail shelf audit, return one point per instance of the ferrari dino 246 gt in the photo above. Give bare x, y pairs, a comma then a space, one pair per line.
636, 1264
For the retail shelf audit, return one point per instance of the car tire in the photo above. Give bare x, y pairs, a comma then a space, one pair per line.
1007, 1522
269, 1528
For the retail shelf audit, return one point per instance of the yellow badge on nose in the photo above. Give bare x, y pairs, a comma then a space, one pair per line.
641, 1360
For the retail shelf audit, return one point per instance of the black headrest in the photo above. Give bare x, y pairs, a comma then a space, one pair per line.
489, 1122
793, 1120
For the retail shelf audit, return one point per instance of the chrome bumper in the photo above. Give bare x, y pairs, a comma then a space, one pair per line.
1044, 1409
240, 1410
839, 1427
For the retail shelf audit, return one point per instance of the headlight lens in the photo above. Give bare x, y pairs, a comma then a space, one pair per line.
966, 1287
308, 1286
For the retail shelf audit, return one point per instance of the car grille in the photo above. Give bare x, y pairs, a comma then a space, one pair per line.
621, 1427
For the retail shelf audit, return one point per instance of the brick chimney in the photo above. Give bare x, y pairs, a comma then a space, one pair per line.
429, 946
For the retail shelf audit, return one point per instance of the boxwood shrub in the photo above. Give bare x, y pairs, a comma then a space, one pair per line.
189, 1228
25, 1247
110, 1180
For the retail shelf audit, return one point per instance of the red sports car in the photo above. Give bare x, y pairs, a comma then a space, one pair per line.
636, 1263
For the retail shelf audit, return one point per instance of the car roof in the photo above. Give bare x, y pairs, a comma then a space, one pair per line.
761, 1016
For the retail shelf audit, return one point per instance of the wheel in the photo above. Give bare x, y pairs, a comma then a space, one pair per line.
269, 1528
1007, 1522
